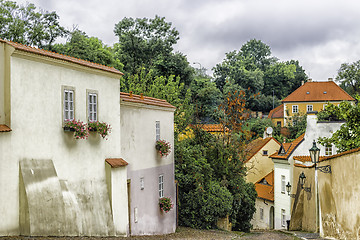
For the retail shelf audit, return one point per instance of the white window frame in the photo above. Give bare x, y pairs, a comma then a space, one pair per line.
295, 108
324, 106
161, 186
309, 108
92, 105
157, 131
68, 103
283, 180
265, 152
328, 150
283, 219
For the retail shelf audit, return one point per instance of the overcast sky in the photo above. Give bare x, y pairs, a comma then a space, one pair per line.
321, 34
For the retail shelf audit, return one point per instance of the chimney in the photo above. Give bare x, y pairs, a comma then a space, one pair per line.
302, 82
330, 79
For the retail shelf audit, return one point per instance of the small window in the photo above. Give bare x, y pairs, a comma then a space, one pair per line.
161, 186
309, 108
283, 219
92, 107
142, 184
265, 152
157, 130
324, 106
261, 213
328, 150
68, 104
282, 184
295, 108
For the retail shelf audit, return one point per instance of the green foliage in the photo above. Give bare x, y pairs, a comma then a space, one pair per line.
170, 89
349, 75
205, 97
348, 136
211, 183
92, 49
330, 113
23, 24
296, 125
257, 126
253, 69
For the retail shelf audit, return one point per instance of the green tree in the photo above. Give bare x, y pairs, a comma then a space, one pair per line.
348, 136
259, 54
92, 49
26, 25
349, 75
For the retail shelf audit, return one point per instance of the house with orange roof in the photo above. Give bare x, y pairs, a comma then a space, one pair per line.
150, 176
282, 174
277, 116
258, 163
292, 154
264, 215
309, 98
54, 184
260, 168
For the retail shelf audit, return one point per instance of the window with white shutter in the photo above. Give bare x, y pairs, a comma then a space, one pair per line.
92, 107
68, 104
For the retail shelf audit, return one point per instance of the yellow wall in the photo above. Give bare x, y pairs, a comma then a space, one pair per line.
302, 107
260, 165
276, 120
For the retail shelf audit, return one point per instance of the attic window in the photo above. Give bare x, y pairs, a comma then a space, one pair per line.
325, 92
263, 181
307, 92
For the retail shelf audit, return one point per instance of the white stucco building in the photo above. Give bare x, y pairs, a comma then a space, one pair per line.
54, 184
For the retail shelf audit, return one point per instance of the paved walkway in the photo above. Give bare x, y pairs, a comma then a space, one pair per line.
305, 235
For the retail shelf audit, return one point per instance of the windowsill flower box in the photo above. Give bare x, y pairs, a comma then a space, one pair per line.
102, 128
78, 127
165, 204
163, 147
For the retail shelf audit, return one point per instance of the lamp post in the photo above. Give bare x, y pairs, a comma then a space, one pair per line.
200, 69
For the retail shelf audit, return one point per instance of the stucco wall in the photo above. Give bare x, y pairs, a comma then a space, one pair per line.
340, 197
138, 126
36, 121
263, 223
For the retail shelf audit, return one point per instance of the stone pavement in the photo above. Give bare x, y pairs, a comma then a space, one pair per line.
306, 235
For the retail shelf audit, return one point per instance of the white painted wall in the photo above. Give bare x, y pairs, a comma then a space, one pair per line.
282, 200
257, 222
36, 121
138, 138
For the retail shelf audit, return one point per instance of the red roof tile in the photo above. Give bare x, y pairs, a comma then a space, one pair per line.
253, 147
116, 162
277, 112
288, 148
318, 92
210, 127
58, 56
129, 97
4, 128
266, 190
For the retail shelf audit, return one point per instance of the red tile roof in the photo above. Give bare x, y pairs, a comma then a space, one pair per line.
288, 148
58, 56
277, 112
4, 128
129, 97
210, 127
318, 92
116, 162
253, 147
266, 191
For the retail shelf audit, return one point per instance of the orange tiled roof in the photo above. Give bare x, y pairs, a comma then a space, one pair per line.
4, 128
129, 97
266, 191
318, 92
253, 147
210, 127
288, 148
277, 112
58, 56
116, 162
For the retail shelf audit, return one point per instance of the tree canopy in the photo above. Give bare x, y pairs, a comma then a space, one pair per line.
26, 25
349, 76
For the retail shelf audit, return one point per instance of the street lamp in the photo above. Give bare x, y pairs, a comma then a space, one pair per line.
302, 178
315, 154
